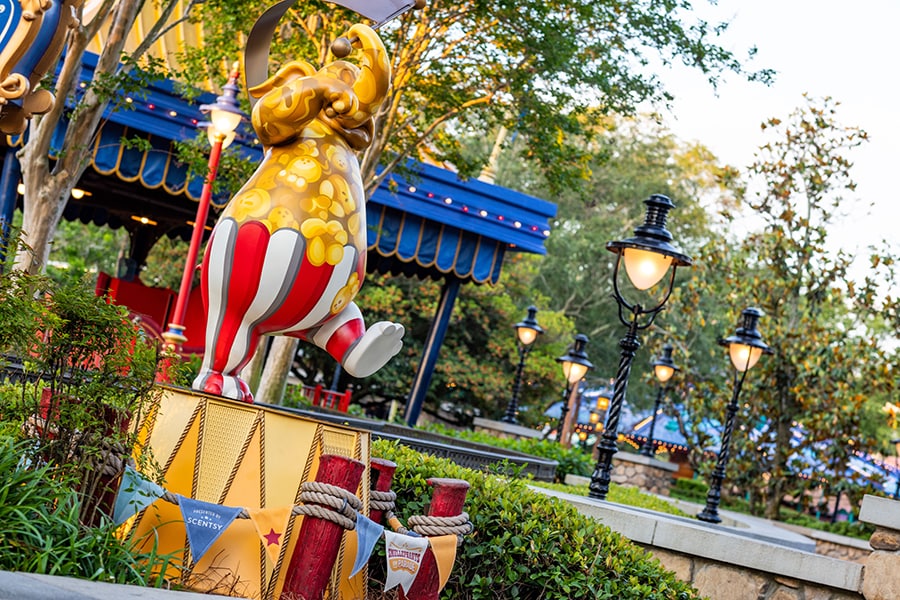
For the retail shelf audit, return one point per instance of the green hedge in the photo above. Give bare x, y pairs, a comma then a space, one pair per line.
527, 545
855, 529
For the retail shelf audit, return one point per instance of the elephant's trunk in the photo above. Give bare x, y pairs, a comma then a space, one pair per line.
374, 81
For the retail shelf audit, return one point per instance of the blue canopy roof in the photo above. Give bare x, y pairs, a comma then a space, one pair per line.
429, 223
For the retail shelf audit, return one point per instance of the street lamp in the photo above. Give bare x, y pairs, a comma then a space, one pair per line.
527, 331
664, 369
575, 365
225, 116
745, 348
647, 256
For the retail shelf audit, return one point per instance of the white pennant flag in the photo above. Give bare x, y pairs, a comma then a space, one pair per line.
404, 557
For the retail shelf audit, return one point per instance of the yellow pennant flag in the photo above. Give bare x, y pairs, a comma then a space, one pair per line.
271, 525
444, 550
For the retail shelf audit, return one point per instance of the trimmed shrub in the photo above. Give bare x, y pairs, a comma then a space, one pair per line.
527, 545
694, 490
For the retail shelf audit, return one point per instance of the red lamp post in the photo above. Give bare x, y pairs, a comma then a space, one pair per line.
225, 115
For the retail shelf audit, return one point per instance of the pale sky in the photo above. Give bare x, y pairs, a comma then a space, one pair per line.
847, 50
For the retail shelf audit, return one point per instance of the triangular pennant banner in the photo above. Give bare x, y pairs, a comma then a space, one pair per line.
136, 493
271, 525
367, 533
444, 550
204, 523
404, 557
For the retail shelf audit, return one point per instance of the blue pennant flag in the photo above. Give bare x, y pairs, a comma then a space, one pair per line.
136, 493
367, 533
204, 523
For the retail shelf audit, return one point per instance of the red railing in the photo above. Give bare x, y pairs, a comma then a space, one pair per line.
319, 396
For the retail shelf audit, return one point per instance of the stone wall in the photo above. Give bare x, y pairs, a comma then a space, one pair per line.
505, 430
753, 559
721, 581
835, 546
648, 474
842, 551
882, 580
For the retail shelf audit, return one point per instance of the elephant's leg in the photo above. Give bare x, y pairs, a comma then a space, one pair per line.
360, 351
246, 276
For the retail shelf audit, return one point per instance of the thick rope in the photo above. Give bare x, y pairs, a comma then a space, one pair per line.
435, 526
344, 505
335, 504
383, 501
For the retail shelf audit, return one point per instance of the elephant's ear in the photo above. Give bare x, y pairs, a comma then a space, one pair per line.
291, 71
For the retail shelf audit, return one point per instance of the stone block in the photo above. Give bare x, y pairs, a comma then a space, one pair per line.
881, 578
783, 593
726, 583
679, 564
788, 581
885, 539
882, 512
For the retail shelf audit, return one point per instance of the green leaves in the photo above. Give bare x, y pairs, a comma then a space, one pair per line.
40, 530
827, 330
527, 545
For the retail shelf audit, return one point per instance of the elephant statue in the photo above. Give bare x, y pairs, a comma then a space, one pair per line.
288, 254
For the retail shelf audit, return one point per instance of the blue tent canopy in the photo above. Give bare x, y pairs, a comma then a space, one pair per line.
861, 468
428, 224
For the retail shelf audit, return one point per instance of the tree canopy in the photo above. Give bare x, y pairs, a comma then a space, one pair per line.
545, 68
801, 409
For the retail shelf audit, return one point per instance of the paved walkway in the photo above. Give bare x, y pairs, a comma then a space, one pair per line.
27, 586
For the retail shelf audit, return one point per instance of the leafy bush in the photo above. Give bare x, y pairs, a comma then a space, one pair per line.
527, 545
856, 529
40, 530
693, 490
82, 373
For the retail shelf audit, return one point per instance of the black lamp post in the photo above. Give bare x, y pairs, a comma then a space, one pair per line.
527, 331
647, 256
575, 365
744, 347
225, 116
664, 369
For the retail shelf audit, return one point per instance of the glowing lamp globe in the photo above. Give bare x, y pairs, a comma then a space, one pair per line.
746, 347
649, 253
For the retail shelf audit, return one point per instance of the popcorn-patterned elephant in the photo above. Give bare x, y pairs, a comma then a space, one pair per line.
288, 254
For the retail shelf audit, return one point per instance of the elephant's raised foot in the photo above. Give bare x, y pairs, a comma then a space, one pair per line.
374, 349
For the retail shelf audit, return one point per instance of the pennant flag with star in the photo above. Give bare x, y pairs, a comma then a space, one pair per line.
444, 549
136, 493
204, 523
367, 533
271, 525
404, 557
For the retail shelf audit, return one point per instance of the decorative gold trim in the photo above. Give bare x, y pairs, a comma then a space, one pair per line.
25, 86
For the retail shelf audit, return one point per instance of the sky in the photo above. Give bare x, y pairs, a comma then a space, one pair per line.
847, 50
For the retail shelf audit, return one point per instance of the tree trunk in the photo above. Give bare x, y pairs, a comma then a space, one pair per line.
47, 192
253, 371
274, 376
775, 489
